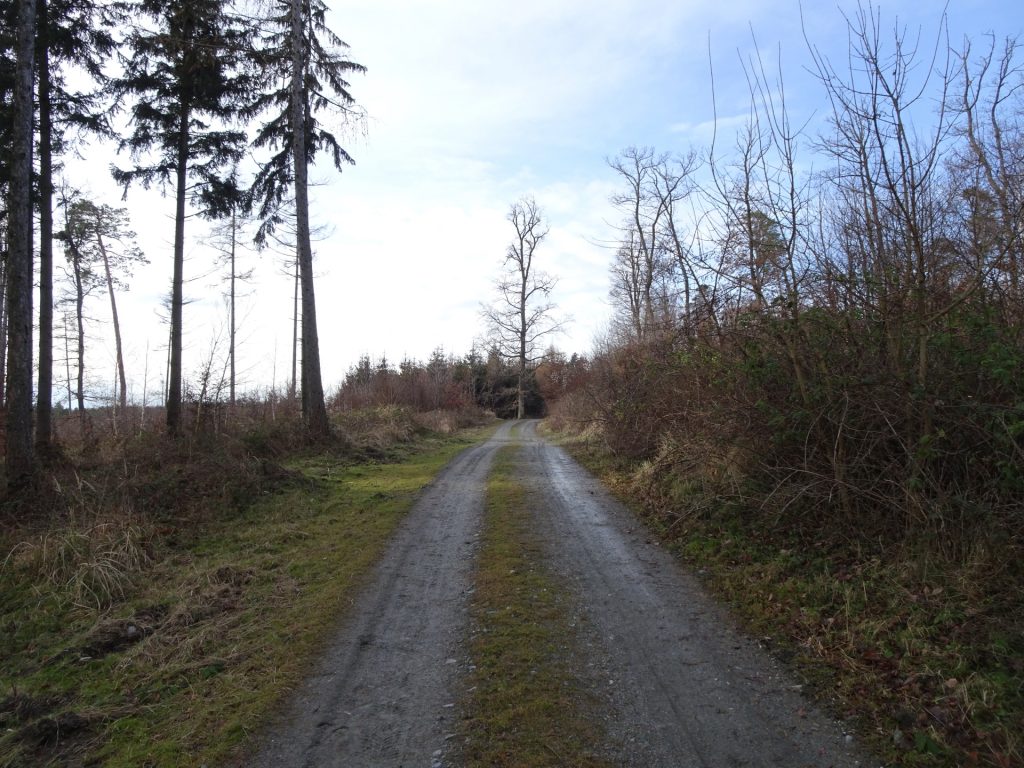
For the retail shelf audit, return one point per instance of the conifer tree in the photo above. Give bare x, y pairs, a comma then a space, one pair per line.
20, 465
71, 34
189, 84
306, 67
101, 250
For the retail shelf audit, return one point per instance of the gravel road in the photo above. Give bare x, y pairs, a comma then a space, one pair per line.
680, 688
686, 690
382, 695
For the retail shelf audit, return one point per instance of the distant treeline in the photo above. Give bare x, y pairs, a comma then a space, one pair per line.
448, 382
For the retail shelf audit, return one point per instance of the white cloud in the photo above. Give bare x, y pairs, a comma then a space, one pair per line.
472, 104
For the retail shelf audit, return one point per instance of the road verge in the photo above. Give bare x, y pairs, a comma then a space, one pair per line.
187, 647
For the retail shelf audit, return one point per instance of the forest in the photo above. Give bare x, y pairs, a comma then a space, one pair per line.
201, 85
811, 385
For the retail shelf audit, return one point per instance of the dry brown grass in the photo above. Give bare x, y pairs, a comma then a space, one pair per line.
92, 565
158, 602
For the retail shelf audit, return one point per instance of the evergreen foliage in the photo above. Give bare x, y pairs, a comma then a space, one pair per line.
305, 71
324, 94
190, 80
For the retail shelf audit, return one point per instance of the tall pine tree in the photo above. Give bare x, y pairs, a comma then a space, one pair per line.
189, 83
306, 66
8, 68
72, 34
19, 458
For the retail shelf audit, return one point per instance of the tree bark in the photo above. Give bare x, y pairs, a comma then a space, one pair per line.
231, 351
67, 361
177, 282
122, 399
3, 329
295, 334
44, 389
523, 330
20, 465
75, 256
80, 330
314, 412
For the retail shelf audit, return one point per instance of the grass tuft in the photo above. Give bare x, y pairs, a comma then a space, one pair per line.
91, 566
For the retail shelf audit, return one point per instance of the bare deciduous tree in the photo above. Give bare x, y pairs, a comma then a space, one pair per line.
893, 169
992, 162
523, 314
641, 261
653, 276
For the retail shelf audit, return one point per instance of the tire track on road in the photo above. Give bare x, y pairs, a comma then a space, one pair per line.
689, 691
382, 694
681, 688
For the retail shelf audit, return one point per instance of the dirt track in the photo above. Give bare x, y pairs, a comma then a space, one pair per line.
680, 687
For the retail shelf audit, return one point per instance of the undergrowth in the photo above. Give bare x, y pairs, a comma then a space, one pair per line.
925, 651
149, 621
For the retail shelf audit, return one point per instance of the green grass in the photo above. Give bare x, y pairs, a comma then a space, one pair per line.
924, 653
226, 621
901, 643
523, 706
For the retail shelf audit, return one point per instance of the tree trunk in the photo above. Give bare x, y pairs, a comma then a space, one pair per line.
80, 327
122, 399
314, 412
19, 258
44, 389
83, 418
231, 350
145, 389
521, 399
3, 328
295, 333
75, 256
67, 361
177, 282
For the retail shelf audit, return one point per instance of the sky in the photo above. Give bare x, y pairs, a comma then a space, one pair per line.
471, 105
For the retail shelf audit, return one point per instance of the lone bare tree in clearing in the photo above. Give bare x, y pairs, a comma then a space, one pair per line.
522, 314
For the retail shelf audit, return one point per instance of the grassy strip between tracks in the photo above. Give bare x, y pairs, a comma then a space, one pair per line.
522, 706
186, 654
